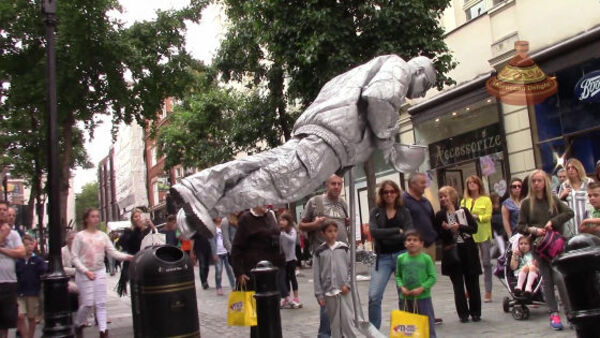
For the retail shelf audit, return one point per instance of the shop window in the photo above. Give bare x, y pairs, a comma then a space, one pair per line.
551, 153
585, 148
566, 126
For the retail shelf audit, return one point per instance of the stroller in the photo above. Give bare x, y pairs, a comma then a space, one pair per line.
516, 304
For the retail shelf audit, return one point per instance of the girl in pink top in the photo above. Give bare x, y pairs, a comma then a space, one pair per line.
88, 250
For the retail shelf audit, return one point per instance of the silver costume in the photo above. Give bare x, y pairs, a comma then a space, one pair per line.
353, 114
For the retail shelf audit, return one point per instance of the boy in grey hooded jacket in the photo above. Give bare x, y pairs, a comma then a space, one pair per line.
331, 268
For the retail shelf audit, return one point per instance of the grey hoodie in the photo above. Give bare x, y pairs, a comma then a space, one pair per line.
331, 268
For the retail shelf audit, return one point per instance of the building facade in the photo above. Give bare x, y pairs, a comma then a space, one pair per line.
470, 132
159, 180
107, 197
130, 169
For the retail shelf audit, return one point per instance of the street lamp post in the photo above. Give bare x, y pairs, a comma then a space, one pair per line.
57, 314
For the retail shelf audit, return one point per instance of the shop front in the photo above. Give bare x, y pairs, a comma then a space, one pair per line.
568, 123
465, 141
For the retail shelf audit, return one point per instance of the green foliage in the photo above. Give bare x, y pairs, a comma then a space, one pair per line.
103, 68
284, 52
312, 41
211, 125
87, 198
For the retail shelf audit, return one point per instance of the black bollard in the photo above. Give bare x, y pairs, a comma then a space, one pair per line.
267, 300
580, 266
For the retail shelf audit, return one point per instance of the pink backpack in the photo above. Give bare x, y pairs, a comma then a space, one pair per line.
551, 245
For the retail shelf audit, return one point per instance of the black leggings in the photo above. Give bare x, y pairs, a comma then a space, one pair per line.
290, 270
470, 281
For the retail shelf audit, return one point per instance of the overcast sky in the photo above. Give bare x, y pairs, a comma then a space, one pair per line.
202, 42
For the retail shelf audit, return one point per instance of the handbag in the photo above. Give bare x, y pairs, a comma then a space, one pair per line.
241, 309
450, 257
153, 238
551, 245
409, 324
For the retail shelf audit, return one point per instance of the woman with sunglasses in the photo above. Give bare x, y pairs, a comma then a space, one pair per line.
511, 206
480, 205
388, 223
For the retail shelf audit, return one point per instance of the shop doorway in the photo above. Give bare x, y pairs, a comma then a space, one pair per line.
490, 168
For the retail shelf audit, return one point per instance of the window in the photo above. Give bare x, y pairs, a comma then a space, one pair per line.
474, 10
567, 127
155, 196
153, 156
163, 111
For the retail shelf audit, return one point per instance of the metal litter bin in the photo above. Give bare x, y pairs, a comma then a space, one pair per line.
163, 294
580, 266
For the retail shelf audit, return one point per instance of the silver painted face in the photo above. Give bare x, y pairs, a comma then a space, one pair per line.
424, 76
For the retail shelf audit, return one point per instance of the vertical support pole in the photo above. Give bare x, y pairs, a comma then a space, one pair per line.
57, 314
363, 326
352, 240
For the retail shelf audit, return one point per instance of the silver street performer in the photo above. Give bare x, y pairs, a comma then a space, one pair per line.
354, 113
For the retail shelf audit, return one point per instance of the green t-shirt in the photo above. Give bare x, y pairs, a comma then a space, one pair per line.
594, 213
415, 271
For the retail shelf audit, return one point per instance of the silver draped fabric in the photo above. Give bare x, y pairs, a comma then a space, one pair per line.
353, 114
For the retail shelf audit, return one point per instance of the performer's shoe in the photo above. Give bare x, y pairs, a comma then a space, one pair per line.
197, 217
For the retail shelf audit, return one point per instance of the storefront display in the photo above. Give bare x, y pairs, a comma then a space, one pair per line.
465, 142
568, 123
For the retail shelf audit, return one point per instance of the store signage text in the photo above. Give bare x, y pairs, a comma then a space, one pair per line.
474, 144
587, 88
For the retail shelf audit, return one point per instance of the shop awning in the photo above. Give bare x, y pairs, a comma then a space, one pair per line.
453, 99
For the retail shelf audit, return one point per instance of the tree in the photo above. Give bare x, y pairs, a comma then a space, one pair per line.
87, 198
103, 67
285, 51
212, 124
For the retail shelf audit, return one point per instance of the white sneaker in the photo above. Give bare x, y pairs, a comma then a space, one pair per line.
295, 303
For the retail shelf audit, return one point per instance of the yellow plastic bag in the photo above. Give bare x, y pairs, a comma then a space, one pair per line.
407, 324
241, 309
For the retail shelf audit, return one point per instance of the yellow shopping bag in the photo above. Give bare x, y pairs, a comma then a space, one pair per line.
407, 324
241, 309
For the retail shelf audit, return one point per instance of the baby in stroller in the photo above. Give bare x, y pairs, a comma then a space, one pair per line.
515, 277
524, 266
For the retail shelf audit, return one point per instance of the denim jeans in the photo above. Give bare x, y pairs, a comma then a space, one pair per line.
324, 325
386, 267
219, 264
424, 307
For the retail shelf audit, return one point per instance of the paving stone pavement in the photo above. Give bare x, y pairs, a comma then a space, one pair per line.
305, 321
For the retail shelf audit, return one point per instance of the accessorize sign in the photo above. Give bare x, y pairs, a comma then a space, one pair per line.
471, 145
587, 88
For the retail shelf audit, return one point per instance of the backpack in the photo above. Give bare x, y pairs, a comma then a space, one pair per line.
551, 245
320, 207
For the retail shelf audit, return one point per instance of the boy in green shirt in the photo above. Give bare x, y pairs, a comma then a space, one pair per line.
415, 275
591, 223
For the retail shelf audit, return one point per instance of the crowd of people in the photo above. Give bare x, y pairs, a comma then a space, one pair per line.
404, 228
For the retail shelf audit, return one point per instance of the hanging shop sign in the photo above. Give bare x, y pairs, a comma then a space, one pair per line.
467, 146
587, 88
521, 81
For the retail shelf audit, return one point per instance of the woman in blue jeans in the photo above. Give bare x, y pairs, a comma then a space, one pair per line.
388, 222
